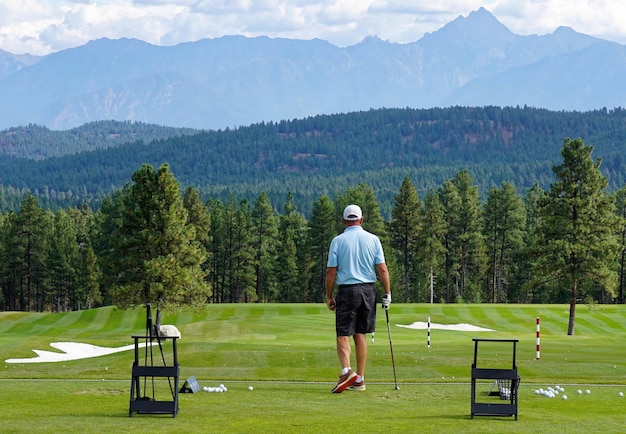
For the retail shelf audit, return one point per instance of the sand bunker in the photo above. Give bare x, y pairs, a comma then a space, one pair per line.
71, 351
419, 325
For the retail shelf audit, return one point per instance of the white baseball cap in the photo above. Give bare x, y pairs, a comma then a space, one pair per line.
352, 213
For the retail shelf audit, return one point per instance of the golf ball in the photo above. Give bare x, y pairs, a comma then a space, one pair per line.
564, 397
587, 391
620, 394
250, 388
580, 392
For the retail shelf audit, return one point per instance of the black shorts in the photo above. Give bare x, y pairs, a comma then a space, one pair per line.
355, 310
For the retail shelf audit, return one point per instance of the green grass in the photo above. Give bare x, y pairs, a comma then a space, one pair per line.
287, 353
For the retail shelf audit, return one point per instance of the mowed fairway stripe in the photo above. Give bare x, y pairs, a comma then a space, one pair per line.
297, 342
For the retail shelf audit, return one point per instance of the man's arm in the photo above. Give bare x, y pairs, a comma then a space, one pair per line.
383, 276
331, 275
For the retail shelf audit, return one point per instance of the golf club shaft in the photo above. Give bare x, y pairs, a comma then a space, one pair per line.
393, 363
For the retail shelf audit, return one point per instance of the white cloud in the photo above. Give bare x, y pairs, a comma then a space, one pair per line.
599, 18
42, 26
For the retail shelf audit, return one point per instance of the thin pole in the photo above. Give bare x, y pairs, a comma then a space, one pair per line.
538, 329
393, 363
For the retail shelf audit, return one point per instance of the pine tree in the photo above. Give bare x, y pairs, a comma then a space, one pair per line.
160, 257
231, 270
292, 261
465, 242
28, 250
217, 253
451, 202
197, 215
105, 235
578, 229
521, 291
404, 230
89, 275
242, 283
504, 227
471, 239
264, 240
432, 236
63, 264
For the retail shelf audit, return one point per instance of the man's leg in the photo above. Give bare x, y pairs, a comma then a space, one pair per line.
360, 344
344, 350
348, 376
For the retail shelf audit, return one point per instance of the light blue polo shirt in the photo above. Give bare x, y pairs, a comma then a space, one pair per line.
355, 253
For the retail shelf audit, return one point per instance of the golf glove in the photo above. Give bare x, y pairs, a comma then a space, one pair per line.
386, 301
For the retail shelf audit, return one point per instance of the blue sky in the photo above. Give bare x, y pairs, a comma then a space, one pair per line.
43, 26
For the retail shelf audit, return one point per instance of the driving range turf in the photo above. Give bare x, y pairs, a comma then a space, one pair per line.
287, 353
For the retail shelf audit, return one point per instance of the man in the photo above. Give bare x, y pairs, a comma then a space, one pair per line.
354, 258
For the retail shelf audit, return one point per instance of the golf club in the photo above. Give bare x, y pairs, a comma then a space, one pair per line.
393, 363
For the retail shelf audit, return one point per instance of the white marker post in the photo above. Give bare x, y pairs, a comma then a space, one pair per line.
538, 329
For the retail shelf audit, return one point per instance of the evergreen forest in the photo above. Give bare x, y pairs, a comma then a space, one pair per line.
311, 157
154, 241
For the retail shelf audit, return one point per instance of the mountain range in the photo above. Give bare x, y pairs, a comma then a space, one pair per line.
233, 81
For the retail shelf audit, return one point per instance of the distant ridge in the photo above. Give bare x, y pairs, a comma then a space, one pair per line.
235, 81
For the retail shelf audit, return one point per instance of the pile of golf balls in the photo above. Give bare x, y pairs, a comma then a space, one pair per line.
219, 389
551, 392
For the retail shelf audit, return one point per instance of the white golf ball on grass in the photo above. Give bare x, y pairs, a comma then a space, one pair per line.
250, 388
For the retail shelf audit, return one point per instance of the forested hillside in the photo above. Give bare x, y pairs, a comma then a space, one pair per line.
37, 142
322, 155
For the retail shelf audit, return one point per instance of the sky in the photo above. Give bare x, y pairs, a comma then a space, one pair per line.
41, 27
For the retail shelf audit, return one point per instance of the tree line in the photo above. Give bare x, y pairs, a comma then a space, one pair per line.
152, 242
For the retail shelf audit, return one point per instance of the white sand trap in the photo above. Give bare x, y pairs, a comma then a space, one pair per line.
419, 325
72, 351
